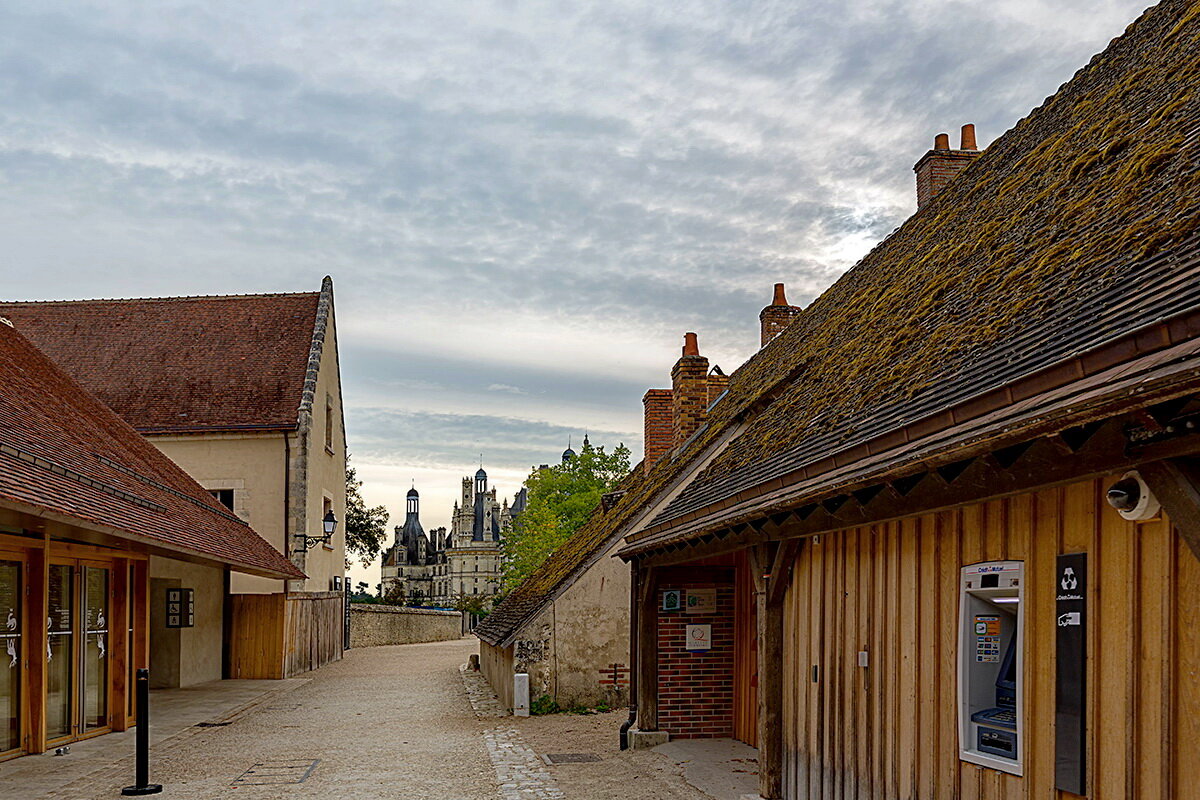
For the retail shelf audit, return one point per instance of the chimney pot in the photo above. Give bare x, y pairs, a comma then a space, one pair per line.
941, 141
968, 137
691, 346
780, 298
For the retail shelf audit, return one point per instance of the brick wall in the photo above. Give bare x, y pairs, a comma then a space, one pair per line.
695, 690
717, 383
937, 168
689, 396
659, 429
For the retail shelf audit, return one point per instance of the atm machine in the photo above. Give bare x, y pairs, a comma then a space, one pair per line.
991, 658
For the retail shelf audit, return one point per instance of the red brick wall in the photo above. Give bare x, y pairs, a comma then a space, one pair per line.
689, 396
937, 168
659, 428
695, 690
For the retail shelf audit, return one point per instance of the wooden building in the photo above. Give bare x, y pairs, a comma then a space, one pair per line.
940, 537
244, 393
89, 510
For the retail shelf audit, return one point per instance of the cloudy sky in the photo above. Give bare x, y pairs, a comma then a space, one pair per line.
523, 204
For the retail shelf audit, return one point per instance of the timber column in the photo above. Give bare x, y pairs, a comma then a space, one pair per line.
771, 567
647, 656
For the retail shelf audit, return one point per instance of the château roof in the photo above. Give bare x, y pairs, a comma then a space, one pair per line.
187, 364
64, 454
1036, 268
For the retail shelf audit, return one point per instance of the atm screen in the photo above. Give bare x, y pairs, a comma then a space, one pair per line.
1006, 680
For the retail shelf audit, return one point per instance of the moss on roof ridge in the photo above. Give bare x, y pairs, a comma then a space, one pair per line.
1063, 197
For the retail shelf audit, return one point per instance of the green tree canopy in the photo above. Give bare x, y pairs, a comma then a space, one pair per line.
366, 528
561, 497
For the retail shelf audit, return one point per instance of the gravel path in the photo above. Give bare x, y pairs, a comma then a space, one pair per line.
396, 722
385, 722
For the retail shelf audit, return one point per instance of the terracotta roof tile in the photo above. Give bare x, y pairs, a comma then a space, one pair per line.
64, 451
182, 364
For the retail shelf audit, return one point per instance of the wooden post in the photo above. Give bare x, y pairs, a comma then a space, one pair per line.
1176, 484
38, 576
647, 662
769, 606
119, 645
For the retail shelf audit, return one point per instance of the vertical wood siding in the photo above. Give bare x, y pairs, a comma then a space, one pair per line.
745, 656
890, 730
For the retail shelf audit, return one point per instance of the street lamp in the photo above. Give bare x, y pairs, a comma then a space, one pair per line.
329, 523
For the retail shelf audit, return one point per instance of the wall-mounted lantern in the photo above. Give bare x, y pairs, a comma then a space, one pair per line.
329, 524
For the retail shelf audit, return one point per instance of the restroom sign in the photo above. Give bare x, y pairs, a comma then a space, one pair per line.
698, 638
181, 608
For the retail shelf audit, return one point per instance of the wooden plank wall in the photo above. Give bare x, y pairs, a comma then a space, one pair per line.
256, 636
312, 631
890, 730
745, 656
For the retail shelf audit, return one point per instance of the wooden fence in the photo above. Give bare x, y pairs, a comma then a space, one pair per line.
274, 636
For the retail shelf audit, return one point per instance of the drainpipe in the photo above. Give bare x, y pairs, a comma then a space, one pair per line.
634, 577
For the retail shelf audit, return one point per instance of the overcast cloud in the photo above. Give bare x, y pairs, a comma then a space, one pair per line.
523, 204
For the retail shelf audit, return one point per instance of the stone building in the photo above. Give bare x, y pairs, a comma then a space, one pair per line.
439, 567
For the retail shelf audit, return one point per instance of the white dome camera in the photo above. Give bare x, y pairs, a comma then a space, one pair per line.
1132, 498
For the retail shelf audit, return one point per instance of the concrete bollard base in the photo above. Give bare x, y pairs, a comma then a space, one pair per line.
644, 740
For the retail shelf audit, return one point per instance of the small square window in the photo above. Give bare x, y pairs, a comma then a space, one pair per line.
224, 497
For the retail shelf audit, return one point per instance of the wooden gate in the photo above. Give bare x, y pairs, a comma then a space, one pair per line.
275, 636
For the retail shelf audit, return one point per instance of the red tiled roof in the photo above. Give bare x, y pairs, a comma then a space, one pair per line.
182, 364
65, 452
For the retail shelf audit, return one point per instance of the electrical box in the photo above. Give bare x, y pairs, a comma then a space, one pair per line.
991, 660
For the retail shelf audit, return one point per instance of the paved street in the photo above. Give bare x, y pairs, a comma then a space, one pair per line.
385, 722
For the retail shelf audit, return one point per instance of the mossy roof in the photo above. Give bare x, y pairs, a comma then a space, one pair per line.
1050, 244
1053, 242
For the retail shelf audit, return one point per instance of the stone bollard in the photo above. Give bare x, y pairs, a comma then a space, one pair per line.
521, 695
473, 662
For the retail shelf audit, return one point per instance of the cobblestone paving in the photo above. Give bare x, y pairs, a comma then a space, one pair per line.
521, 773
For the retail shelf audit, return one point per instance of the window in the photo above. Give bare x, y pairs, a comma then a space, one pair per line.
329, 423
224, 497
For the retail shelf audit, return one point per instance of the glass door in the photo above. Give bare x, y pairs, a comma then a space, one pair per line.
95, 658
11, 655
60, 653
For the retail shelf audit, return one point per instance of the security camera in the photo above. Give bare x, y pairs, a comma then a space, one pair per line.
1132, 498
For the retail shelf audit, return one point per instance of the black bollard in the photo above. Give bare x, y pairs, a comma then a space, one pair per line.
142, 741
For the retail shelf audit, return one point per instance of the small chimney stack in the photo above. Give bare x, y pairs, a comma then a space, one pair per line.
689, 391
718, 382
775, 317
659, 427
941, 165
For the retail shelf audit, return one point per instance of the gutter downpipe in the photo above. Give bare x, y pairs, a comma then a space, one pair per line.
635, 574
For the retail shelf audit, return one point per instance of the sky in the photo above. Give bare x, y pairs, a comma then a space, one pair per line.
523, 205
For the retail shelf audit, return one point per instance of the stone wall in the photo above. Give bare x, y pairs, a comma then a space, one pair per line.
372, 625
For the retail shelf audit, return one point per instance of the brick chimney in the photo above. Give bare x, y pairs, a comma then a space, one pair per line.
659, 426
689, 391
941, 165
775, 317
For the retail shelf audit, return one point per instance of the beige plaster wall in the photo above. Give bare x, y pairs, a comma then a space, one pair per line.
583, 631
253, 465
198, 649
326, 473
374, 625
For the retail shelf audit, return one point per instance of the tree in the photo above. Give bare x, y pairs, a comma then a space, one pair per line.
561, 498
366, 528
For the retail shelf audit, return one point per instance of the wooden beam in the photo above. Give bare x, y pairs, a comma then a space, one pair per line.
769, 619
1176, 484
38, 576
781, 571
120, 645
647, 656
